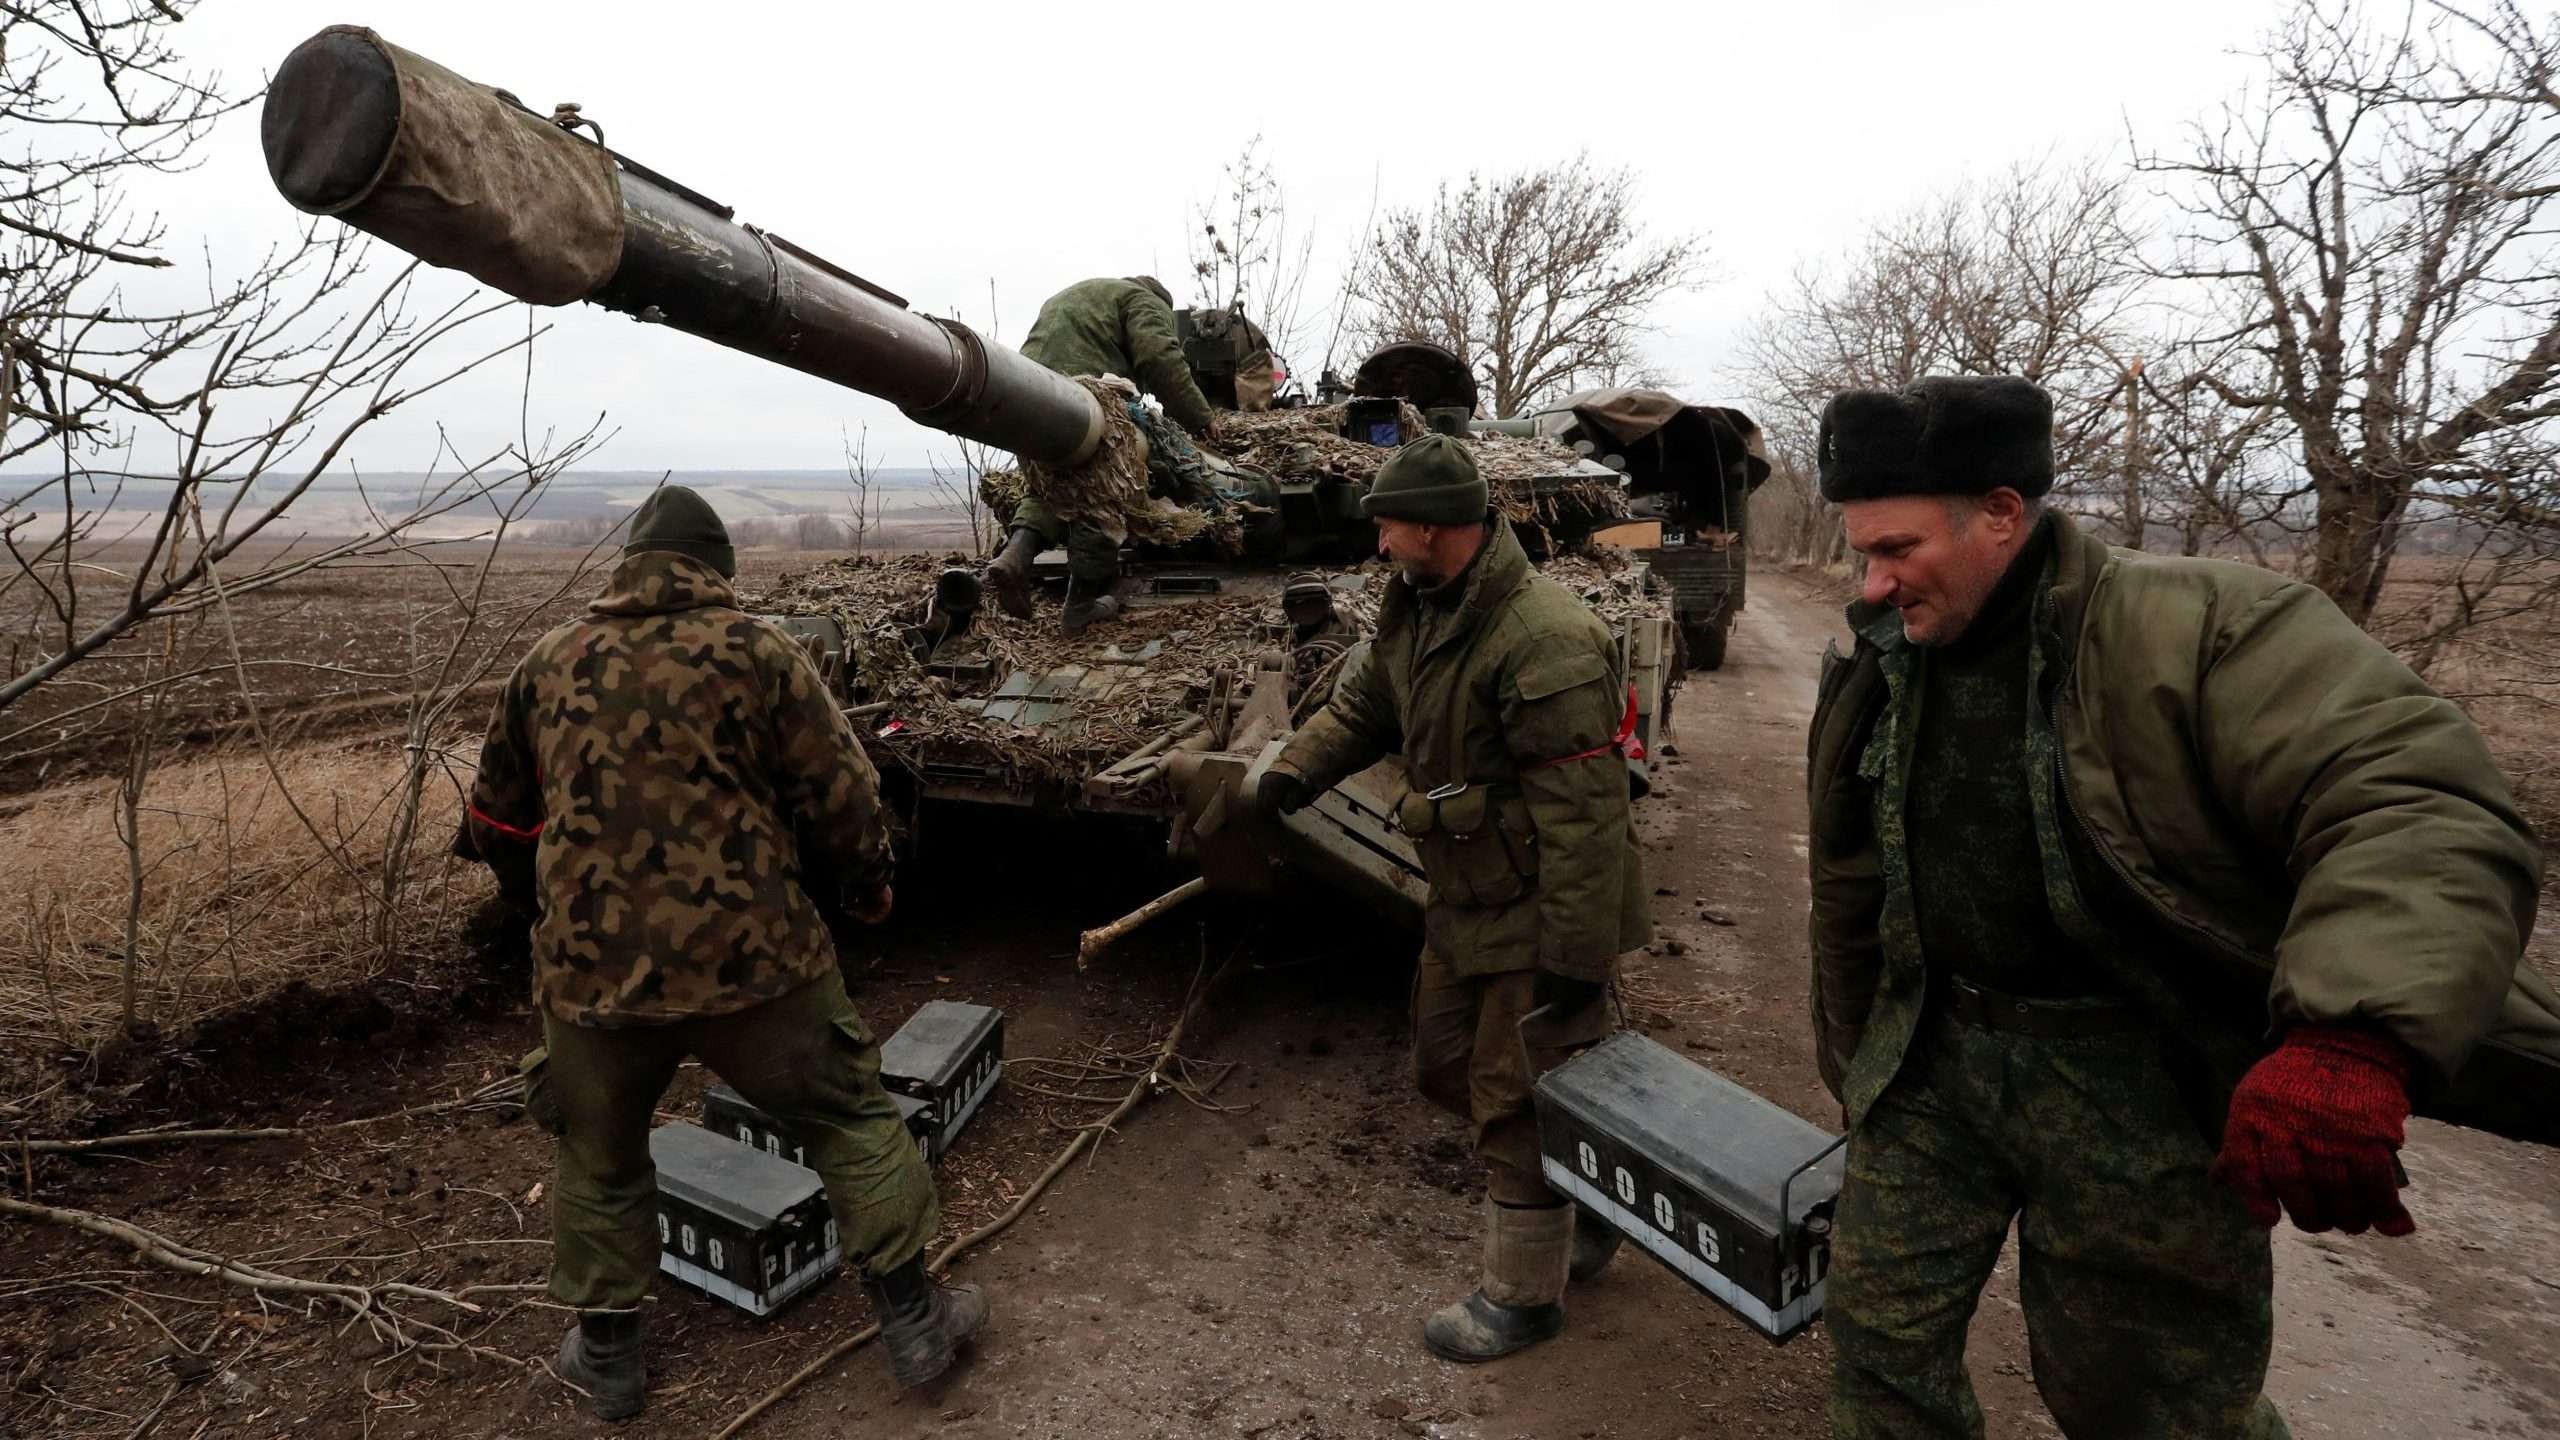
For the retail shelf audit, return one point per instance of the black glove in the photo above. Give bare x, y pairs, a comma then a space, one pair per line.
1282, 793
1565, 994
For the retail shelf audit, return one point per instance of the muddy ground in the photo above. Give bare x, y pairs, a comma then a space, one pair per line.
1248, 1271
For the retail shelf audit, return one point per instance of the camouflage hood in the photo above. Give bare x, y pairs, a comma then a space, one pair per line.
661, 582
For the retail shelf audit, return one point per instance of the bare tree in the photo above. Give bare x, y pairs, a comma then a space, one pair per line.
959, 488
959, 484
2370, 239
2029, 274
1244, 254
864, 497
1543, 278
253, 389
2217, 477
91, 96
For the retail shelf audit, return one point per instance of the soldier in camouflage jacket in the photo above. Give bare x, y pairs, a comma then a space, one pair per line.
666, 777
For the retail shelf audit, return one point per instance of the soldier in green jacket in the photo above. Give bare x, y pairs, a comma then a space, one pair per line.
1502, 693
643, 779
1106, 327
2147, 893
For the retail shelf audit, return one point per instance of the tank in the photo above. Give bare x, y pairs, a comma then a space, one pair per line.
1168, 716
1689, 469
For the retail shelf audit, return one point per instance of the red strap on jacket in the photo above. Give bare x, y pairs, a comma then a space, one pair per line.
503, 828
1623, 744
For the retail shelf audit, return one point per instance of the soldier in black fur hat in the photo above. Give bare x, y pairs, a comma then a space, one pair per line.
2149, 895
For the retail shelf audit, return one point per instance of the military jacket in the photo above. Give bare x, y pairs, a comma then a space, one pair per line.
1118, 327
2246, 807
681, 776
1504, 707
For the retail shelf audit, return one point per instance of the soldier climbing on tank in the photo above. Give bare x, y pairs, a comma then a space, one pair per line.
1094, 328
2148, 895
643, 779
1503, 694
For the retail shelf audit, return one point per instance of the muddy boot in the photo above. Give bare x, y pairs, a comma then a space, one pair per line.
1595, 1244
1102, 609
921, 1322
1520, 1301
1009, 574
601, 1355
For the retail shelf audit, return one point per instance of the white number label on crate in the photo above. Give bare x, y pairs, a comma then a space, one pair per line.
687, 1241
1589, 1157
1707, 1244
1662, 1213
662, 1227
1626, 1187
719, 1254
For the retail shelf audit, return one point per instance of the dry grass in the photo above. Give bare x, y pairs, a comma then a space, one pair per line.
239, 895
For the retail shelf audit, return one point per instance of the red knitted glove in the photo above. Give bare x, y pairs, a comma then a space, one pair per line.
2316, 1125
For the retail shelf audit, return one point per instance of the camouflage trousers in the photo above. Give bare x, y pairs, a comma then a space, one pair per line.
803, 1058
2147, 1288
1469, 1060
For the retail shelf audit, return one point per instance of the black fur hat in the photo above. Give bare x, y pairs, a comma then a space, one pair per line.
1946, 435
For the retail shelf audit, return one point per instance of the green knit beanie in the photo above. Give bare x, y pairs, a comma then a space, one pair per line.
1432, 481
675, 518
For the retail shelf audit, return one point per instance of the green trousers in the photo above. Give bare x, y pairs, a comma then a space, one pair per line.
1469, 1059
2147, 1289
1093, 551
803, 1058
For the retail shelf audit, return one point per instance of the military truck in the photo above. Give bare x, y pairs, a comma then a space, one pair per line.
1171, 713
1689, 468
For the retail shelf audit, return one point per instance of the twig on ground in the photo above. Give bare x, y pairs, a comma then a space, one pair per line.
368, 1304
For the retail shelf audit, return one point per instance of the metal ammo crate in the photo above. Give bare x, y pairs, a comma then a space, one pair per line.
948, 1055
726, 1112
738, 1224
1730, 1191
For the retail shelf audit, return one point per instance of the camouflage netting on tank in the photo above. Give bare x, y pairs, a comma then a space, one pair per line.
932, 714
1309, 441
1531, 479
1110, 489
934, 717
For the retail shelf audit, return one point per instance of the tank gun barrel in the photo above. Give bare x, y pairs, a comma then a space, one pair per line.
464, 176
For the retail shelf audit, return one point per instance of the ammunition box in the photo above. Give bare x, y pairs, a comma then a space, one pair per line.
949, 1056
1729, 1191
737, 1224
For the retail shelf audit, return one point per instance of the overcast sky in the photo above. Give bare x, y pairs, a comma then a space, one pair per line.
933, 148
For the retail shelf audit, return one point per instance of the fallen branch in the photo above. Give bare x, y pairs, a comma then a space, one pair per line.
368, 1303
1145, 1085
498, 1092
1100, 938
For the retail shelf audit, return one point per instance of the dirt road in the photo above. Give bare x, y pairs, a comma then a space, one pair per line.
1256, 1271
1261, 1274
